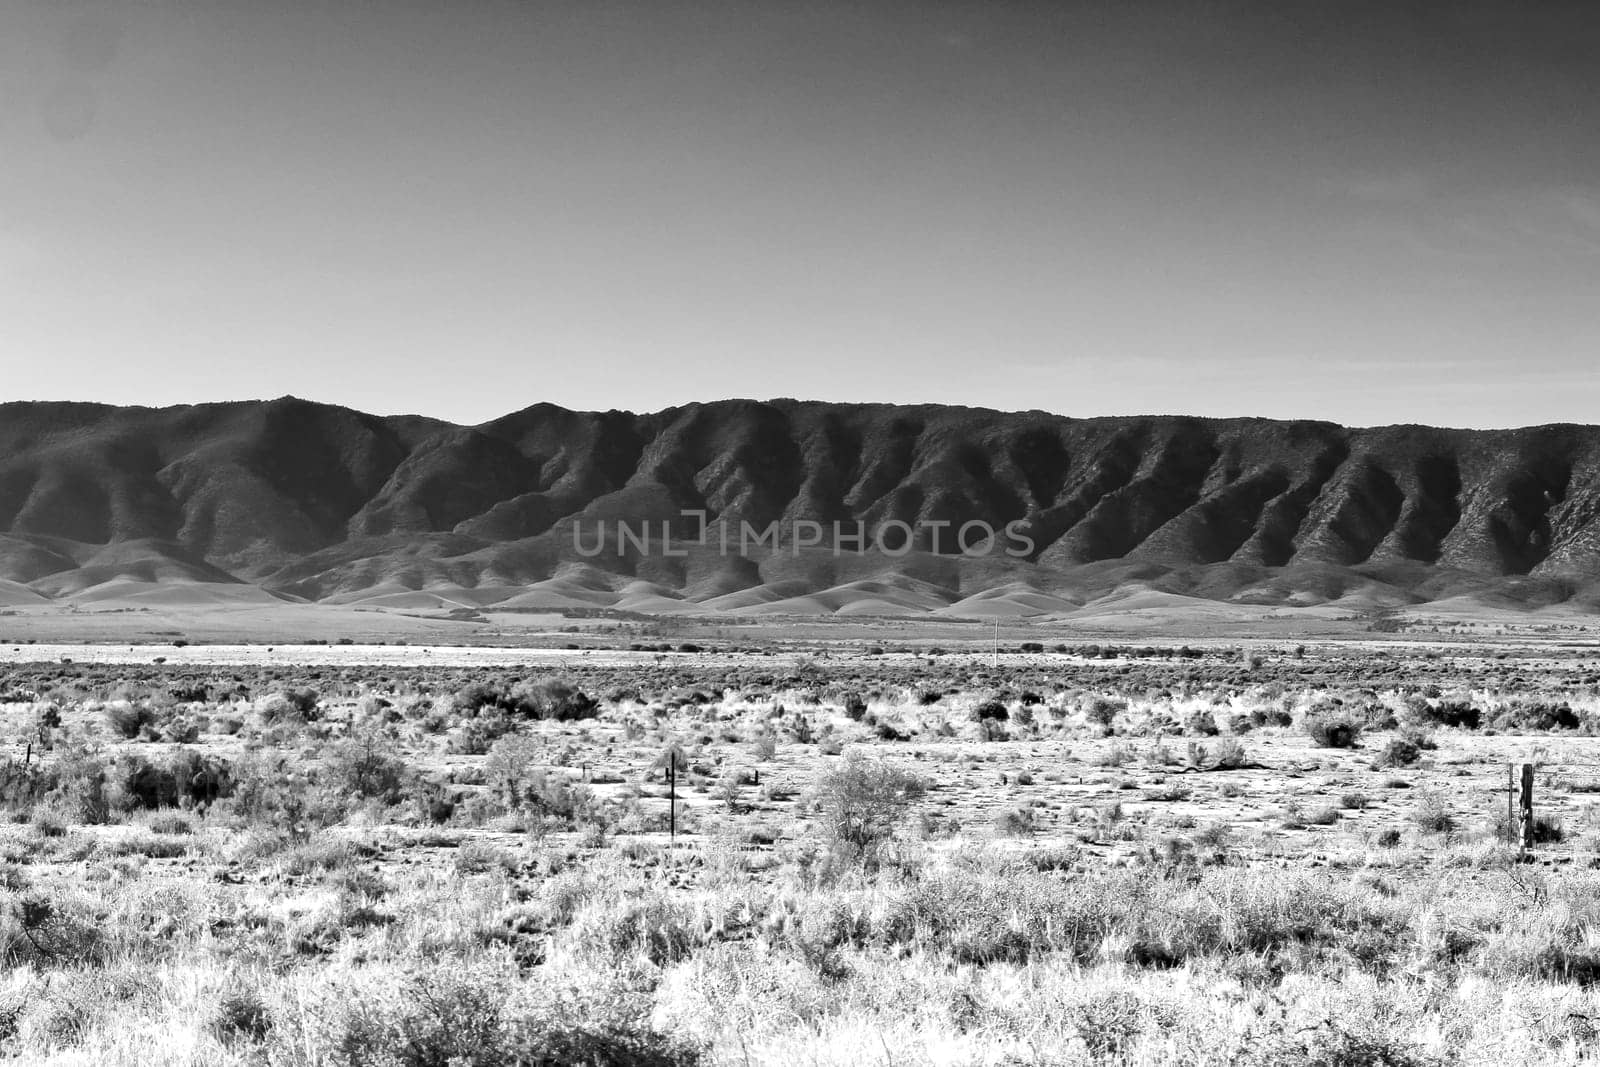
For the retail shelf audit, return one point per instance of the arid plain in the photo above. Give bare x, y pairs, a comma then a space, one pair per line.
404, 838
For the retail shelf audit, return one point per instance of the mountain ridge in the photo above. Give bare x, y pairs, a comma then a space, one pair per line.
320, 501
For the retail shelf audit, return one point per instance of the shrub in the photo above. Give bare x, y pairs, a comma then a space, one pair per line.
76, 781
368, 766
1117, 755
304, 701
130, 720
40, 931
1432, 814
1270, 716
1213, 837
555, 797
764, 747
480, 857
172, 825
289, 706
552, 698
477, 735
1454, 713
281, 794
656, 928
240, 1017
1014, 822
1103, 711
1323, 815
433, 803
1331, 729
46, 718
1230, 755
49, 824
181, 730
1170, 791
452, 1017
1399, 752
991, 711
1537, 715
992, 730
1378, 717
474, 696
183, 777
1421, 738
887, 732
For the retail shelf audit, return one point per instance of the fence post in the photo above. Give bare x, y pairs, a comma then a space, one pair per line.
1511, 803
1527, 806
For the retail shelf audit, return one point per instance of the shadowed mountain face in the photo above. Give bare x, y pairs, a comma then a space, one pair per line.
323, 502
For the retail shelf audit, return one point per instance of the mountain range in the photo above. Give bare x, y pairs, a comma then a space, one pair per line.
294, 500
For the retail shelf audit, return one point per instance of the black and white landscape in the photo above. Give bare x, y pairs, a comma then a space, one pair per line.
1165, 629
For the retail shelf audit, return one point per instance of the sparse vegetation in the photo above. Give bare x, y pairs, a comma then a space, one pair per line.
456, 866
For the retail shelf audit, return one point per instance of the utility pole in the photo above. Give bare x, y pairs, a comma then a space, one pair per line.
997, 643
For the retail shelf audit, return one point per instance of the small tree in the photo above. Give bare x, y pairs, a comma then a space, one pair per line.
863, 802
367, 765
510, 765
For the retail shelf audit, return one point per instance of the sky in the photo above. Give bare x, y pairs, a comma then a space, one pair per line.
1367, 212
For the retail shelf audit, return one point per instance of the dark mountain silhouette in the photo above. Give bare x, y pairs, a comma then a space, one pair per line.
321, 502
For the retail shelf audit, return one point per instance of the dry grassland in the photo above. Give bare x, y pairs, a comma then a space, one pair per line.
1099, 855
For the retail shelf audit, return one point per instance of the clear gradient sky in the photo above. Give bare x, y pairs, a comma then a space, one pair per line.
1365, 212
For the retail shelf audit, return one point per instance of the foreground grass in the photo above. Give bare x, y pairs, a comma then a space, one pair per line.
540, 954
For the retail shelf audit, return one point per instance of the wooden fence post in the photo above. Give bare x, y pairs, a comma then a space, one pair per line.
1511, 802
1527, 806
